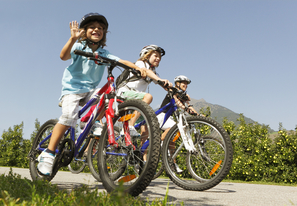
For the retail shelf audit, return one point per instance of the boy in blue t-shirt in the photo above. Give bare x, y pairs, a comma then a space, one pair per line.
80, 79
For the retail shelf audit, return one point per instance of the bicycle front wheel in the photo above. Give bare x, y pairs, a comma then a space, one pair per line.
208, 165
124, 164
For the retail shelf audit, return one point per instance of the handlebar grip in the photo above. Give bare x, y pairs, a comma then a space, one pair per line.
161, 83
137, 73
82, 53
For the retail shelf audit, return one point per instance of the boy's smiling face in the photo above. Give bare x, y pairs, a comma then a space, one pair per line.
95, 31
183, 85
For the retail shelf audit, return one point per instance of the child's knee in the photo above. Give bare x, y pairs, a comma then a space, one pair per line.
148, 98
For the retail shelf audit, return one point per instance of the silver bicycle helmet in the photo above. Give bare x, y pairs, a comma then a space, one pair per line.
92, 17
182, 78
147, 48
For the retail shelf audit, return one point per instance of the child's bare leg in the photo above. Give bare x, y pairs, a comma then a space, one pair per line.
164, 134
58, 132
148, 98
144, 136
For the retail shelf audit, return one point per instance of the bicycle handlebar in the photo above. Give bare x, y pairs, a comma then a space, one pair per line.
105, 60
82, 53
162, 84
180, 95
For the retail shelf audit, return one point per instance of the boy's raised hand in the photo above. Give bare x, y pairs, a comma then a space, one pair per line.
74, 30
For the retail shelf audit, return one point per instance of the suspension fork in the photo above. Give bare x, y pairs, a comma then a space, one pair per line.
183, 127
109, 115
125, 119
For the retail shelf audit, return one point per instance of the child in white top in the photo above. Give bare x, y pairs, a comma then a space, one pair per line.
150, 57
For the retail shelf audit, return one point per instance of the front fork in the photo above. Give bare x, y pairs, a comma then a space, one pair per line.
109, 115
184, 130
112, 110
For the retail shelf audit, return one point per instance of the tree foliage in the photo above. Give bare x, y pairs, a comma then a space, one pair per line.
14, 148
259, 158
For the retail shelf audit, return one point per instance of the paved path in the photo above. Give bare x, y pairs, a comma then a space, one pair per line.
225, 193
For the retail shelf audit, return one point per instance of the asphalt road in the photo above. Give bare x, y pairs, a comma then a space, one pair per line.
223, 194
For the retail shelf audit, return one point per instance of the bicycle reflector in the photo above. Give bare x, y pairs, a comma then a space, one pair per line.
127, 178
126, 117
176, 136
214, 169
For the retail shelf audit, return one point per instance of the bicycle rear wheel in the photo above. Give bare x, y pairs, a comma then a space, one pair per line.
78, 163
208, 165
43, 134
124, 161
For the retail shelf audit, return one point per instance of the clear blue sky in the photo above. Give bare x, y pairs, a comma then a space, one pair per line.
238, 54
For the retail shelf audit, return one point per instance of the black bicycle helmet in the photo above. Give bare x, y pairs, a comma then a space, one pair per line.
92, 17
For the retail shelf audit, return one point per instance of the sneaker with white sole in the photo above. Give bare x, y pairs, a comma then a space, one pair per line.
178, 170
45, 165
97, 129
133, 132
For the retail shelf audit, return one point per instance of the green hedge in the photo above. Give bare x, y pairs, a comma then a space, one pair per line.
258, 157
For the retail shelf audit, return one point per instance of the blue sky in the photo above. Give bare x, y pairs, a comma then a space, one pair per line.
238, 54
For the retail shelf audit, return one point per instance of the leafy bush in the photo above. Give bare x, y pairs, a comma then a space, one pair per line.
284, 158
259, 158
13, 148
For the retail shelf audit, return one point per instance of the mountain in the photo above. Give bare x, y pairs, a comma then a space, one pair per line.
218, 112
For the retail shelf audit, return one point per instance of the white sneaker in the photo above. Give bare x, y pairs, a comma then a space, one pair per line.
45, 165
133, 132
178, 170
97, 129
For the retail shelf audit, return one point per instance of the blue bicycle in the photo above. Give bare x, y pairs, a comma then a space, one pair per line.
104, 104
198, 145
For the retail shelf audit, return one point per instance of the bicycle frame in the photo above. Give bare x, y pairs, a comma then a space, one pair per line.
181, 123
170, 107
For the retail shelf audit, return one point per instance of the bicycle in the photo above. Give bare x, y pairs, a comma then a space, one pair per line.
108, 104
199, 140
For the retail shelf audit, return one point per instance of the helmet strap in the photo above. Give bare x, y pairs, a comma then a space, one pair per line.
178, 86
88, 41
151, 66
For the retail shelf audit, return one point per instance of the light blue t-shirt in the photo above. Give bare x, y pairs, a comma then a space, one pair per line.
83, 75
